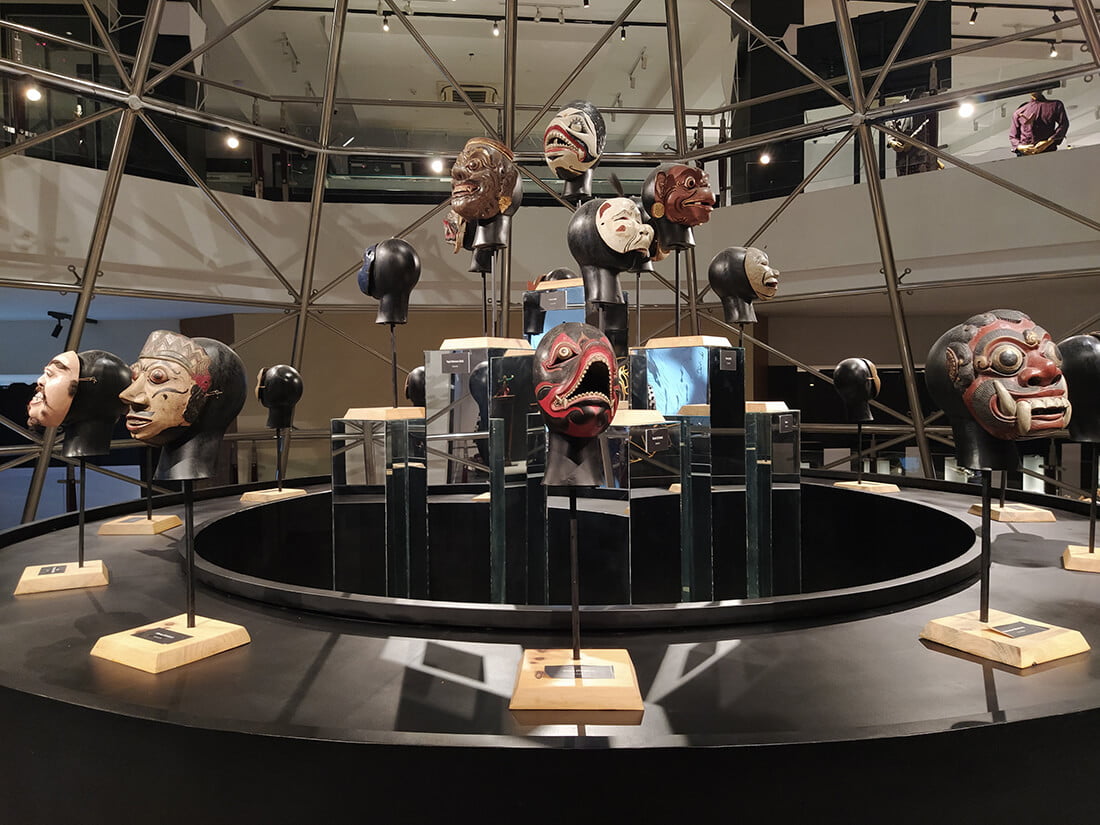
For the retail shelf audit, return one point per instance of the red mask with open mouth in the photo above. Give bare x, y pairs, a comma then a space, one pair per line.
574, 380
685, 194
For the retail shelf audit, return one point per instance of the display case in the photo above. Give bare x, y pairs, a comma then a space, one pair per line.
773, 553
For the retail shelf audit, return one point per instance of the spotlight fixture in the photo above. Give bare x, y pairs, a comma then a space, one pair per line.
561, 16
409, 7
765, 158
966, 109
1053, 49
437, 166
32, 93
386, 21
538, 14
1054, 14
622, 33
232, 141
496, 28
973, 16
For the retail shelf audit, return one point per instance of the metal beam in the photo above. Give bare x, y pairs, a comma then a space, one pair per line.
404, 20
181, 161
263, 330
320, 173
693, 289
339, 332
108, 44
676, 77
914, 15
511, 11
203, 48
57, 131
989, 176
545, 187
1086, 15
553, 99
783, 54
109, 196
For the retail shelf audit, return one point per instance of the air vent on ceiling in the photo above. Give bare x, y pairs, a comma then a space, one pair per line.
477, 92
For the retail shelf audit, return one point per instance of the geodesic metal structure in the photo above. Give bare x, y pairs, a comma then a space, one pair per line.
861, 114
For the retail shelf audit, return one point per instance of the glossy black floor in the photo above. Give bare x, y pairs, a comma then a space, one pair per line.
323, 720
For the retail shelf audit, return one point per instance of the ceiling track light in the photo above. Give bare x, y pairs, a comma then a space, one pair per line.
496, 28
973, 16
1054, 15
622, 33
561, 16
1053, 49
386, 22
538, 14
232, 141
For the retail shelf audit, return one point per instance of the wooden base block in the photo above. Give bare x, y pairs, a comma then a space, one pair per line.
168, 644
262, 496
383, 413
564, 283
138, 525
1078, 557
483, 497
965, 632
637, 418
485, 342
1020, 513
43, 578
766, 406
694, 409
549, 680
868, 486
688, 341
676, 488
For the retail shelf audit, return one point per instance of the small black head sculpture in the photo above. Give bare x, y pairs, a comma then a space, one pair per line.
415, 391
184, 394
279, 388
857, 383
739, 275
1081, 366
575, 388
998, 378
606, 237
391, 268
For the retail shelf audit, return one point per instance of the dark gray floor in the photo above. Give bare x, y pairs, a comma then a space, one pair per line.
308, 675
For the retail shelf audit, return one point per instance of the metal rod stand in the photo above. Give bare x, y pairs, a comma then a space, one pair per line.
484, 306
574, 583
859, 452
189, 539
1092, 504
393, 360
1004, 487
638, 307
279, 457
80, 515
493, 291
676, 292
987, 553
149, 483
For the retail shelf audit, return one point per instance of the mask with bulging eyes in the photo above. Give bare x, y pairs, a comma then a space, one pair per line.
1007, 373
574, 140
574, 380
482, 179
683, 195
619, 222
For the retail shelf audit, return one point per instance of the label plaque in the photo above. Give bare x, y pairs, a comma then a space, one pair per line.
580, 671
727, 360
161, 635
456, 363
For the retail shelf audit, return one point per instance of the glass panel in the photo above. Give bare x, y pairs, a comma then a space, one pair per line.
772, 515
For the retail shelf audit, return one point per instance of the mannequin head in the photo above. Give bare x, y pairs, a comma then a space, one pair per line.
600, 262
678, 193
856, 381
183, 395
414, 387
740, 275
574, 140
482, 179
574, 379
96, 406
54, 391
279, 388
1081, 366
390, 270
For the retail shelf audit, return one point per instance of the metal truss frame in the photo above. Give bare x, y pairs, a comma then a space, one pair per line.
134, 101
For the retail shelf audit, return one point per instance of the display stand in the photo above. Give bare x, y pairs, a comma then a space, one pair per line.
280, 492
1080, 557
147, 525
859, 483
179, 640
42, 578
1014, 512
577, 680
1002, 637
